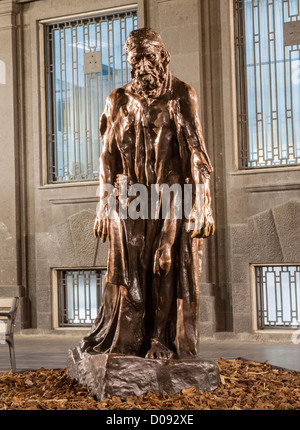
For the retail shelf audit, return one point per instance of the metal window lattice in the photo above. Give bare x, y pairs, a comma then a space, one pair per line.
85, 61
267, 41
278, 296
79, 296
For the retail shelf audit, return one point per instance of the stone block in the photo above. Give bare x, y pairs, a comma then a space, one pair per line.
265, 232
66, 250
170, 41
241, 298
7, 249
184, 66
44, 320
43, 274
12, 290
255, 250
53, 254
207, 308
286, 219
46, 246
23, 314
43, 298
207, 289
239, 239
242, 323
177, 13
207, 330
108, 375
240, 269
81, 225
8, 272
101, 254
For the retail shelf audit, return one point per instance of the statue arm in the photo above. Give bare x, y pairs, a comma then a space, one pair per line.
107, 170
200, 222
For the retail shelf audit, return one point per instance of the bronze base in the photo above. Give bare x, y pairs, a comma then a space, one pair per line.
108, 375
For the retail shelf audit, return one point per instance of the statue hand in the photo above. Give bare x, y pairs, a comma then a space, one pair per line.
101, 228
162, 260
207, 229
201, 224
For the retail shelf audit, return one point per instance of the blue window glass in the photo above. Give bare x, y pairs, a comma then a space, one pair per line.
278, 296
79, 296
85, 61
268, 74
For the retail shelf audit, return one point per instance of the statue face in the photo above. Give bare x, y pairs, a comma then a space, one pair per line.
147, 66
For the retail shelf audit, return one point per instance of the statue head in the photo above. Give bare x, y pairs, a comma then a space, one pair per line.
149, 59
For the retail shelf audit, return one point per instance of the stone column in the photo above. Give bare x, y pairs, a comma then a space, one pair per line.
194, 52
10, 208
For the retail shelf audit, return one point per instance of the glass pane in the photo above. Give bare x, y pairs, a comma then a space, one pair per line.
278, 293
286, 298
270, 298
76, 93
80, 294
268, 49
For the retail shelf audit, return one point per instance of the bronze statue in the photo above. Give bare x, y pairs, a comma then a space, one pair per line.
151, 136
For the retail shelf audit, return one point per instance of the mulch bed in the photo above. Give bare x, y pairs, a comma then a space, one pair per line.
245, 385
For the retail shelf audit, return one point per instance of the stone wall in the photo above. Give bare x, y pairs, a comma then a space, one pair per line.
45, 227
269, 237
12, 217
55, 212
70, 244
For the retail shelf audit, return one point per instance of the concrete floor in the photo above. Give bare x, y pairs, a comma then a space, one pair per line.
50, 352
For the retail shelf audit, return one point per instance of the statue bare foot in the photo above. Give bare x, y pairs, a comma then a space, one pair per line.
159, 351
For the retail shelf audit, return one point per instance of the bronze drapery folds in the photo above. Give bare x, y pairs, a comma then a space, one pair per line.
151, 136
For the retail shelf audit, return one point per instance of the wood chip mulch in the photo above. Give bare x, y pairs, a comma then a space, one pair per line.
245, 385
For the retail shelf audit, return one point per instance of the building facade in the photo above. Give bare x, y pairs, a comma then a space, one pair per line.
58, 62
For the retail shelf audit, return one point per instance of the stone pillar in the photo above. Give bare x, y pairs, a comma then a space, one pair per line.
191, 54
216, 267
10, 210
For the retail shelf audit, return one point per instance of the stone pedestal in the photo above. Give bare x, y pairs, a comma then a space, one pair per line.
108, 375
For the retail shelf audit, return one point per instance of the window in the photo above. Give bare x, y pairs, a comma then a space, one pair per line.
268, 82
79, 296
277, 296
85, 61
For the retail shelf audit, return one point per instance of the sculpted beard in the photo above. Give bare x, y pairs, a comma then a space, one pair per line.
150, 80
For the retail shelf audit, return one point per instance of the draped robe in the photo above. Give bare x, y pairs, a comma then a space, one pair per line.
150, 143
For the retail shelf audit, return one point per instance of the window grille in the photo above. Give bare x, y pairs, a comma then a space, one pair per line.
79, 296
267, 40
85, 61
278, 296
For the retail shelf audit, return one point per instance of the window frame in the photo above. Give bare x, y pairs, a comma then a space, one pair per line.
254, 298
244, 145
55, 297
44, 177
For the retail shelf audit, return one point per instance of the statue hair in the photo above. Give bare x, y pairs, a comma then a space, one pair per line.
146, 37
